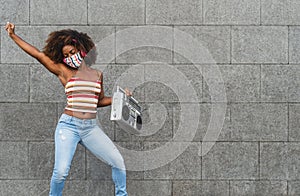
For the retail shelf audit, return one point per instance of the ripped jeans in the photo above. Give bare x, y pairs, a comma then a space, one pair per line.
69, 132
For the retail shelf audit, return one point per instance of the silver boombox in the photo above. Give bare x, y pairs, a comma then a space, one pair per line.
126, 111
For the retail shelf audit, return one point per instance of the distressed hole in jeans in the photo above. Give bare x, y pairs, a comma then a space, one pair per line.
62, 137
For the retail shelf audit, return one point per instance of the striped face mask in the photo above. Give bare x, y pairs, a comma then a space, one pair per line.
74, 61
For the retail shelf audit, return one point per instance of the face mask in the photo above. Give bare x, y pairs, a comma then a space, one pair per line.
74, 61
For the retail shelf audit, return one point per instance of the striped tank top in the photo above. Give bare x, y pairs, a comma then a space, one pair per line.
82, 95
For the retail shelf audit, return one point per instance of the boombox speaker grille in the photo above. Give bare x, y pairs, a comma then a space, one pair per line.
125, 112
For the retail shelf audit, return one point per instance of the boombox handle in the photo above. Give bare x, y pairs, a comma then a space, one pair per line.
123, 91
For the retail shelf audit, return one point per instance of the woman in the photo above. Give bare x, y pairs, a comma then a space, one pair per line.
68, 54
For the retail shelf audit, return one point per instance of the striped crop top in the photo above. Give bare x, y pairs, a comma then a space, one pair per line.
82, 95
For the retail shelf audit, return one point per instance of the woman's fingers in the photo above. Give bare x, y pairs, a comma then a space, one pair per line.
128, 93
9, 27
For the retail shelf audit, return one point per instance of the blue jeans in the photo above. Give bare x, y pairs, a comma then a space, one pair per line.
69, 132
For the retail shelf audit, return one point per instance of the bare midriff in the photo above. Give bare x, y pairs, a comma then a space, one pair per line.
81, 115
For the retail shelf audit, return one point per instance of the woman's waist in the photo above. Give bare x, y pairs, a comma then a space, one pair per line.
80, 115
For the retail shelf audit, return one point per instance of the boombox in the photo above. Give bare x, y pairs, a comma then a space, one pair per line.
126, 111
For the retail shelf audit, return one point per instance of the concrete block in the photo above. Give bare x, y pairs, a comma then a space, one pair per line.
141, 44
76, 187
116, 12
14, 83
231, 160
165, 83
278, 12
149, 188
205, 112
100, 187
14, 11
280, 83
186, 166
24, 187
260, 44
201, 188
241, 83
45, 86
234, 12
58, 12
294, 48
41, 161
258, 188
279, 160
257, 122
294, 122
14, 160
174, 12
27, 121
193, 77
294, 188
214, 39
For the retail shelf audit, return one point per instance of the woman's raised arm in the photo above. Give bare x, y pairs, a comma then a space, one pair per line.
33, 51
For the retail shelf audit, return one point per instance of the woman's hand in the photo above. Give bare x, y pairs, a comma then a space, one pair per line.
127, 92
10, 28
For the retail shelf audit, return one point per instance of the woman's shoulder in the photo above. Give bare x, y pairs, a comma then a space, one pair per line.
98, 72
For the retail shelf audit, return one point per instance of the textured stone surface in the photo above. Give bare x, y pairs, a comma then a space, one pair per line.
189, 188
24, 187
250, 46
186, 166
143, 44
54, 12
294, 188
116, 12
280, 83
24, 121
279, 160
294, 46
45, 87
294, 122
259, 44
204, 121
13, 87
257, 122
277, 12
231, 12
148, 188
258, 188
174, 12
241, 83
215, 39
10, 11
16, 166
233, 160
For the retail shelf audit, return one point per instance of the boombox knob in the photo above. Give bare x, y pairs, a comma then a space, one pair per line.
139, 122
125, 112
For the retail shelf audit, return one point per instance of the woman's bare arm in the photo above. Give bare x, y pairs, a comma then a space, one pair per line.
103, 100
33, 51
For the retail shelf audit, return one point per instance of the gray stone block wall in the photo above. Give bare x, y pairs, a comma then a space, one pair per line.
255, 46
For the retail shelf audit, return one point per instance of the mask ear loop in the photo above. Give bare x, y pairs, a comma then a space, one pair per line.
83, 54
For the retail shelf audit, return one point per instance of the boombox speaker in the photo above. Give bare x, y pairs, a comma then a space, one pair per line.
126, 111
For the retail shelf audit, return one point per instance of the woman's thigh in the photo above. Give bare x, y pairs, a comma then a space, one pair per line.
103, 148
